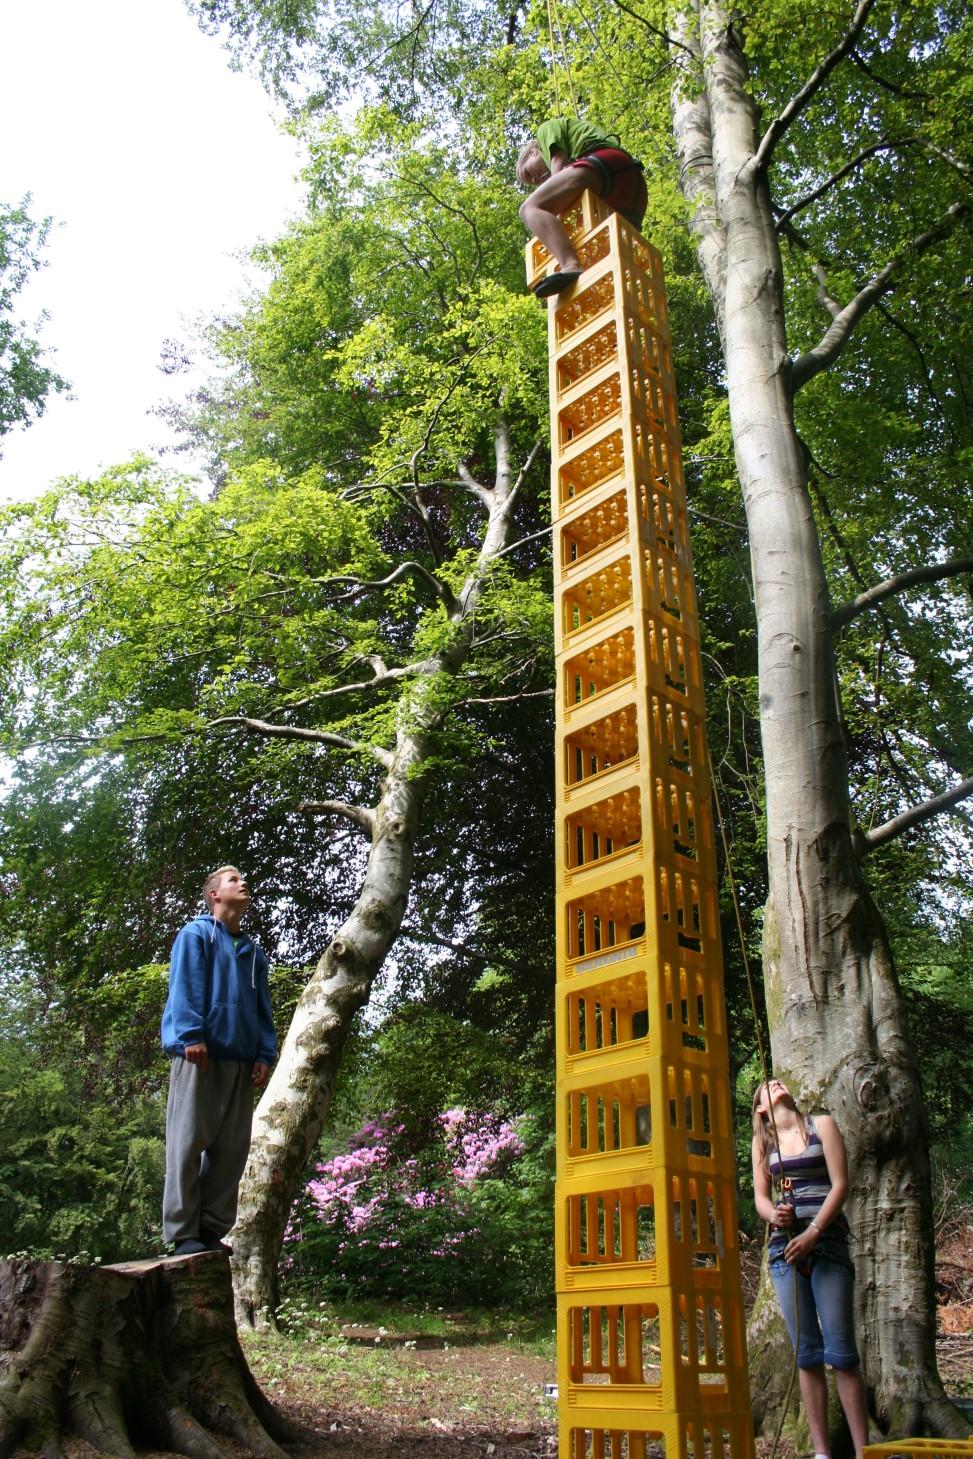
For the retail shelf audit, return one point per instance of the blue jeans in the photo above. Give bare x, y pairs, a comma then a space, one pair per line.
824, 1302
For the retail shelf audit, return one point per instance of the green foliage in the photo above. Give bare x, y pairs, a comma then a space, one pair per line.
25, 380
80, 1170
465, 1213
353, 402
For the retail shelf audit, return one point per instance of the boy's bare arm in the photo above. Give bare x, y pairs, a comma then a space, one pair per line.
559, 160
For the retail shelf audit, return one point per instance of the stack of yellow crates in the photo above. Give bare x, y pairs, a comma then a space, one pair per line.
651, 1340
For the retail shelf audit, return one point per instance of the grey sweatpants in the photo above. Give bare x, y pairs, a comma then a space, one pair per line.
207, 1139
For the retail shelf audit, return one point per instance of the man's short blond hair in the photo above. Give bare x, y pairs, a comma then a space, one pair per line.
527, 152
213, 881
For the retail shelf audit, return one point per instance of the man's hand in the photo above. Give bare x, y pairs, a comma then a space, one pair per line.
197, 1054
259, 1075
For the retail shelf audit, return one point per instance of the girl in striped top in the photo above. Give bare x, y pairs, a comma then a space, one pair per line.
809, 1261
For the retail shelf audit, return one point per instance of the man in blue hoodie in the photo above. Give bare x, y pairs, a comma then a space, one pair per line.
218, 1030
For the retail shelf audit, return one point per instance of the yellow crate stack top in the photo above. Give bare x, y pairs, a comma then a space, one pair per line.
651, 1340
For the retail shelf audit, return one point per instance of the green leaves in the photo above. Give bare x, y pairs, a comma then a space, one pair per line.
26, 381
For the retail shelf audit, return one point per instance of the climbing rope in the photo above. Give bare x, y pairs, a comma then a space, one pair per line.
554, 19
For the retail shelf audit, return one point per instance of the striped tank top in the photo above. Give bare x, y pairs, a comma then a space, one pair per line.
808, 1172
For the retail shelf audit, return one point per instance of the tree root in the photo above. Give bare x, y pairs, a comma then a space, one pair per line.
143, 1354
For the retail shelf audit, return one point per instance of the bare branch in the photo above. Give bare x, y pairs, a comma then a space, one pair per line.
298, 732
868, 840
521, 476
362, 817
836, 177
963, 168
859, 60
383, 676
421, 449
825, 296
812, 86
808, 365
440, 202
402, 571
471, 484
543, 532
510, 698
412, 934
931, 573
663, 35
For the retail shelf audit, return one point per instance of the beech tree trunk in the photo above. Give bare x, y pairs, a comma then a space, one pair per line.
294, 1107
144, 1353
836, 1021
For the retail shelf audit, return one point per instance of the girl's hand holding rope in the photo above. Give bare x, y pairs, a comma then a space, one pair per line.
800, 1247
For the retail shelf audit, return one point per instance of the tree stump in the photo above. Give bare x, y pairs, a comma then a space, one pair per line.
145, 1353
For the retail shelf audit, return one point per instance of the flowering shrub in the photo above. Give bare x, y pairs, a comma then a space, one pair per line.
445, 1224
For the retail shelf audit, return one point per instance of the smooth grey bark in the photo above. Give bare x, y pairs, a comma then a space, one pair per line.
293, 1110
836, 1020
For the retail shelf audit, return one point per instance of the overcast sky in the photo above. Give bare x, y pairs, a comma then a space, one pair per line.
158, 164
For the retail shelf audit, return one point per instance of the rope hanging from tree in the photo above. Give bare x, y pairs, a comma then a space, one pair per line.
554, 18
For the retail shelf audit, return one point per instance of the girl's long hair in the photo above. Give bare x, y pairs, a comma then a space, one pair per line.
763, 1131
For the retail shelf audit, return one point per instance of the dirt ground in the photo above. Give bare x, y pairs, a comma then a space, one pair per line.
368, 1396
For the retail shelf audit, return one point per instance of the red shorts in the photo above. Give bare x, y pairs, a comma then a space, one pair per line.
618, 181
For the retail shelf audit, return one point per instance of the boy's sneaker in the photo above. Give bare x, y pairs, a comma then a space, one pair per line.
190, 1247
212, 1242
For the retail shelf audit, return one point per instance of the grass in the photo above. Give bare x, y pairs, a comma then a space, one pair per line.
300, 1315
494, 1381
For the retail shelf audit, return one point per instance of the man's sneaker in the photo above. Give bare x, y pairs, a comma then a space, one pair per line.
211, 1241
190, 1247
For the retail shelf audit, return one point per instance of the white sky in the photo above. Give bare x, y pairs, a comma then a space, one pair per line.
158, 165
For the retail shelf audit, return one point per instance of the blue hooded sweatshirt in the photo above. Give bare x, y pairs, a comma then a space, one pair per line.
218, 995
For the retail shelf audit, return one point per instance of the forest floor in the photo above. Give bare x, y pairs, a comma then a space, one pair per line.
367, 1392
370, 1395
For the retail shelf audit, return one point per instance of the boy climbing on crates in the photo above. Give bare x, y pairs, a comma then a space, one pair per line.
218, 1030
566, 156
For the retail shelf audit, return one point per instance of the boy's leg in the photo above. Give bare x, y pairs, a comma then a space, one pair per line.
193, 1116
541, 213
226, 1154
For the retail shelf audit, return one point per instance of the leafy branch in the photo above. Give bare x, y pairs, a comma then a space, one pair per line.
806, 366
811, 87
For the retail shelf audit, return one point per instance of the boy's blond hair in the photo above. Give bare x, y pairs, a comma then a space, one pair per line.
530, 149
213, 881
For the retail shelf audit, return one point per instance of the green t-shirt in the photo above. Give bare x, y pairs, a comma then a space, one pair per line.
572, 137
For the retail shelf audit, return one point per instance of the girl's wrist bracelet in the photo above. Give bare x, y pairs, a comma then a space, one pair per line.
816, 1227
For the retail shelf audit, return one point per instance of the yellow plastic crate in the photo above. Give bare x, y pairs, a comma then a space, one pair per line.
651, 1340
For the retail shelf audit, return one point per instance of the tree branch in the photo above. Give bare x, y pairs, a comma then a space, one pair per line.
808, 365
811, 87
663, 35
472, 485
360, 815
868, 840
931, 573
543, 532
403, 570
297, 732
510, 698
836, 177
